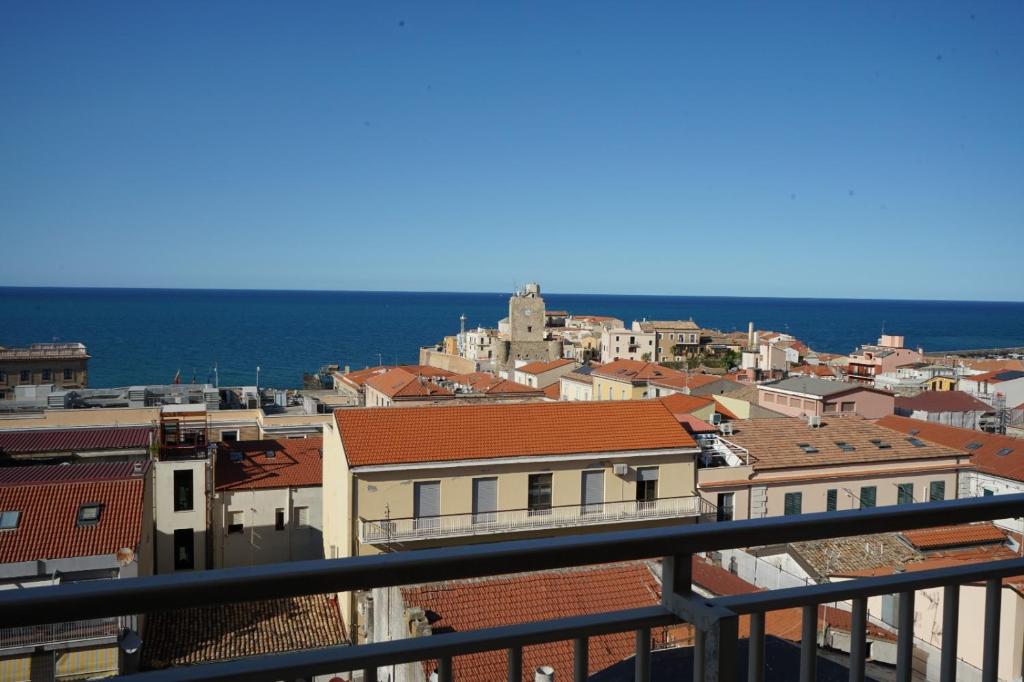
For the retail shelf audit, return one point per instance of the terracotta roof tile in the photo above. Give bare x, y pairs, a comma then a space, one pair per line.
360, 376
991, 453
995, 365
428, 434
553, 391
541, 367
474, 604
296, 462
72, 440
634, 371
690, 381
680, 404
48, 525
399, 383
955, 536
942, 401
211, 633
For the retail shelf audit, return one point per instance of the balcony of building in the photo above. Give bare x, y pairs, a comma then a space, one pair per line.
72, 633
410, 529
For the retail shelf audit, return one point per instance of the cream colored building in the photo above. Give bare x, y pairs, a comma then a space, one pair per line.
628, 379
543, 374
577, 385
427, 477
628, 344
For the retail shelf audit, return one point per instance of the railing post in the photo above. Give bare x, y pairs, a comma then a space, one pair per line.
698, 654
755, 648
720, 650
515, 664
809, 644
950, 625
580, 664
370, 675
858, 638
444, 669
905, 638
990, 653
642, 668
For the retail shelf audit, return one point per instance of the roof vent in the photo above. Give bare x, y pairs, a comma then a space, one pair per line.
544, 673
814, 421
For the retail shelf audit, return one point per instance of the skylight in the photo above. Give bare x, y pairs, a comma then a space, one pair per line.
880, 444
844, 446
236, 456
1004, 452
973, 445
914, 432
9, 520
807, 447
916, 442
89, 514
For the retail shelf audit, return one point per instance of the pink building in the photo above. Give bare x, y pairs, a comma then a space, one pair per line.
803, 396
869, 361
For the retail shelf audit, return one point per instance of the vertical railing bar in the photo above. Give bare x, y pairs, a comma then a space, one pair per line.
858, 639
642, 669
698, 654
444, 669
990, 653
950, 625
809, 644
370, 675
905, 637
755, 653
580, 664
515, 664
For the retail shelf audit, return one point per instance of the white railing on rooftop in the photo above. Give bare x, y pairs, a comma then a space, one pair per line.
380, 531
53, 633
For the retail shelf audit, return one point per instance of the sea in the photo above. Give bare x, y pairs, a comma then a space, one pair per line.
146, 336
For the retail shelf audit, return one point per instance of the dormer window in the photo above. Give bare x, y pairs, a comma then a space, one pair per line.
9, 519
89, 514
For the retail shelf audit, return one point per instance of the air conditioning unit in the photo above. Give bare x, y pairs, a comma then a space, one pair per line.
716, 419
620, 469
814, 421
725, 428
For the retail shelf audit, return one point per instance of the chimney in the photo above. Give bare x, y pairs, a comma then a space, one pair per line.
750, 335
544, 673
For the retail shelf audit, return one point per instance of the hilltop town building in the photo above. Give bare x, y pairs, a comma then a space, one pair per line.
628, 344
887, 355
675, 340
802, 396
62, 365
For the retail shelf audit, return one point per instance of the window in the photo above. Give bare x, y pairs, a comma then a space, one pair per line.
831, 499
3, 377
184, 550
973, 445
426, 503
9, 520
302, 517
848, 406
1003, 452
793, 504
236, 521
904, 493
647, 484
867, 496
916, 442
47, 375
229, 436
807, 447
936, 491
538, 494
279, 519
844, 446
183, 490
987, 492
592, 493
485, 500
880, 444
68, 375
830, 407
25, 376
725, 506
889, 603
89, 514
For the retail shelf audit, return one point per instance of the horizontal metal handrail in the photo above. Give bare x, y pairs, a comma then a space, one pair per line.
123, 597
512, 520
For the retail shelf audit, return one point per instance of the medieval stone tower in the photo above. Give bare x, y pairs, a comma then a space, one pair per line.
526, 336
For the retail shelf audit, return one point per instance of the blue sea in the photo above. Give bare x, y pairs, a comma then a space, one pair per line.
141, 336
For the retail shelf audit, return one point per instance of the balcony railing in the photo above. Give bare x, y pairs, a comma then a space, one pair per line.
716, 620
381, 531
53, 633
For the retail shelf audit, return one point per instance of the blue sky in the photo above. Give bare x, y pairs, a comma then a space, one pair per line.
781, 149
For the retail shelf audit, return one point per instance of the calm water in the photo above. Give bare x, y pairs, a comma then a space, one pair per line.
139, 336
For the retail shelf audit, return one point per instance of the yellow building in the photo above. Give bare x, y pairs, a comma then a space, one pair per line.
431, 476
940, 383
627, 379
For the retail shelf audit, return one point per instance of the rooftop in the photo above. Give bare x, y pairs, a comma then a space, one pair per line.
458, 606
541, 367
955, 536
384, 436
990, 453
38, 441
360, 376
942, 401
46, 351
686, 380
814, 386
399, 383
995, 364
669, 325
286, 463
790, 442
997, 376
634, 371
49, 500
210, 633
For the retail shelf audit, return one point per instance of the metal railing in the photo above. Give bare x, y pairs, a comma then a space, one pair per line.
53, 633
715, 619
513, 520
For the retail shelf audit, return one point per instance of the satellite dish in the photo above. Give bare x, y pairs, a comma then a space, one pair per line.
125, 556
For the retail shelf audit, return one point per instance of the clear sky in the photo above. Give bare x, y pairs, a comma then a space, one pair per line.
780, 149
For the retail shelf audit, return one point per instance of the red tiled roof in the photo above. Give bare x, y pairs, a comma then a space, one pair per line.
489, 384
398, 383
690, 381
996, 376
73, 440
942, 401
955, 536
72, 473
680, 404
693, 425
995, 365
296, 462
214, 633
986, 456
49, 503
360, 376
823, 371
634, 371
461, 606
428, 434
553, 391
541, 367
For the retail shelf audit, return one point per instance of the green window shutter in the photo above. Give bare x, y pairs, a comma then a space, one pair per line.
904, 493
793, 504
936, 491
831, 500
867, 496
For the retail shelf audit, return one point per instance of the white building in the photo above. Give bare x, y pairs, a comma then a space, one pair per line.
628, 344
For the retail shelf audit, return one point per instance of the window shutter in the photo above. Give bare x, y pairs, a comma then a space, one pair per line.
428, 499
593, 490
485, 499
647, 474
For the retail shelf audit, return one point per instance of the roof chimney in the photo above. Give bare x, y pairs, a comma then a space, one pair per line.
750, 335
544, 673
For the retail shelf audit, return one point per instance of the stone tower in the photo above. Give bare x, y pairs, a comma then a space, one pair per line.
526, 315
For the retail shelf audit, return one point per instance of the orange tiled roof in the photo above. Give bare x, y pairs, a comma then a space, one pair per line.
48, 525
541, 367
210, 633
553, 391
680, 404
489, 384
995, 376
691, 381
296, 462
428, 434
633, 371
995, 365
955, 536
984, 448
475, 604
360, 376
398, 383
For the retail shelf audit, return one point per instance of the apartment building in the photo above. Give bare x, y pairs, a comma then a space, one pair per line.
402, 386
543, 374
63, 524
1005, 385
628, 379
954, 408
870, 361
353, 383
268, 505
577, 384
912, 379
674, 340
689, 383
63, 365
628, 344
774, 467
802, 396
